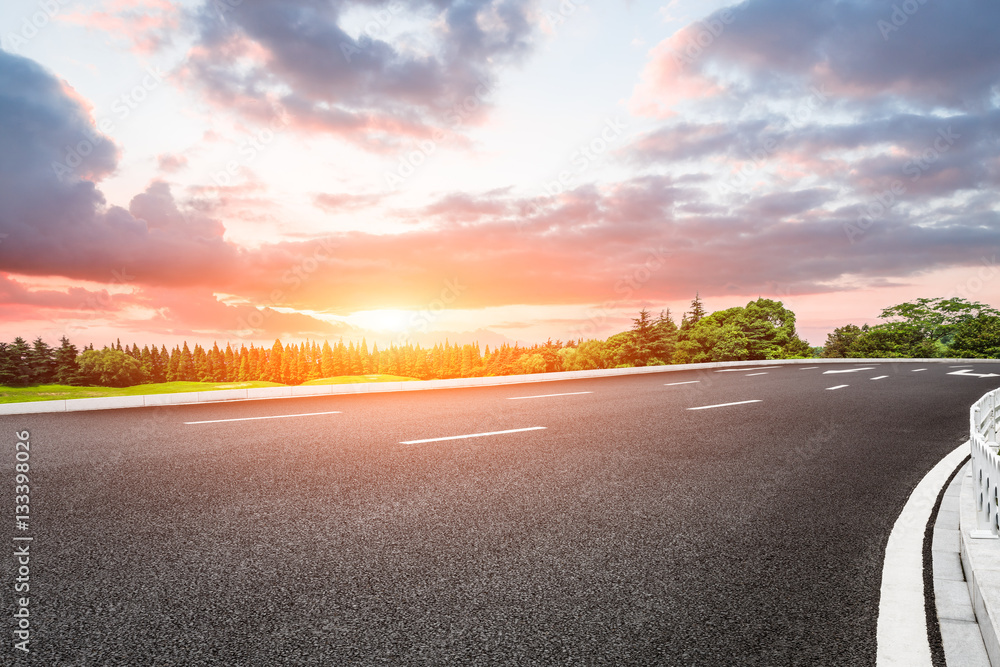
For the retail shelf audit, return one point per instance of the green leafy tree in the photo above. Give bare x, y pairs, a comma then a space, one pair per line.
532, 363
977, 338
110, 367
839, 342
764, 329
892, 340
936, 319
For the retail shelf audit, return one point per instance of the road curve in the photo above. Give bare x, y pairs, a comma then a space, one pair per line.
589, 522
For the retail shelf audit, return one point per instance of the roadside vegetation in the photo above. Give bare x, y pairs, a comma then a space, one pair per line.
762, 330
53, 392
925, 328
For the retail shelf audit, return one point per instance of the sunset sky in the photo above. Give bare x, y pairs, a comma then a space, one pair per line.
513, 169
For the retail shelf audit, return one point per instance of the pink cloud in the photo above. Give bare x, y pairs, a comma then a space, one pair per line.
171, 163
148, 24
671, 77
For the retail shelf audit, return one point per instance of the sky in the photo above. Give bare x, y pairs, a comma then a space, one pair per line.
491, 170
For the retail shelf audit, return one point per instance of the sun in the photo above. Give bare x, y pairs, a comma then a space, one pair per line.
386, 319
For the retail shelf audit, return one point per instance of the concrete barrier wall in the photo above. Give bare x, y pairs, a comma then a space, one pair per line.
980, 553
113, 403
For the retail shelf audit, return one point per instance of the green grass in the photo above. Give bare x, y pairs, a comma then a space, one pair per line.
54, 392
351, 379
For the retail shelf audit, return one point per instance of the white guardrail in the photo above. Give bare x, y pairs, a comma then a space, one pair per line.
985, 461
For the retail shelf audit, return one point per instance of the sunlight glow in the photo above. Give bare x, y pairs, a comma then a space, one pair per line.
387, 319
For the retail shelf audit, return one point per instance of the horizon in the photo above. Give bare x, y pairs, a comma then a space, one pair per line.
514, 172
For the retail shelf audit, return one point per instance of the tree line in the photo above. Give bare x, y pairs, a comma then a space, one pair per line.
763, 329
924, 328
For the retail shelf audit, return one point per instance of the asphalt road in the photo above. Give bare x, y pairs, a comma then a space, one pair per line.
629, 530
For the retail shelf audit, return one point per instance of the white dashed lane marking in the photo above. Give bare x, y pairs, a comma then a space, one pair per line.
743, 370
569, 393
724, 405
472, 435
850, 370
246, 419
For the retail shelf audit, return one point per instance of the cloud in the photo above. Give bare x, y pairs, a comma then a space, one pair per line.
171, 163
321, 68
649, 236
196, 311
13, 292
150, 25
56, 220
337, 202
940, 55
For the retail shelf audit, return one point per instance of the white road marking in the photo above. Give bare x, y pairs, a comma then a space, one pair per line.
809, 368
724, 405
472, 435
674, 384
246, 419
901, 635
750, 375
880, 377
917, 370
968, 373
742, 370
570, 393
839, 386
850, 370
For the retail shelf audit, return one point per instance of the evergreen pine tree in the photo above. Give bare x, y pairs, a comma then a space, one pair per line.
697, 311
67, 371
41, 362
274, 362
20, 368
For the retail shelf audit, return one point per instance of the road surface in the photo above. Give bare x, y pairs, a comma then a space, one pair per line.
588, 522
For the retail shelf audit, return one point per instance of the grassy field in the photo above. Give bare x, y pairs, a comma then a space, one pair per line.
53, 392
352, 379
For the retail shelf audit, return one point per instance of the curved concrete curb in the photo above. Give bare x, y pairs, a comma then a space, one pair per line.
981, 563
187, 398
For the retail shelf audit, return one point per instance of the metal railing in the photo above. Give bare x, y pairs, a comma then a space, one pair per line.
985, 461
